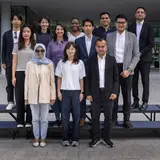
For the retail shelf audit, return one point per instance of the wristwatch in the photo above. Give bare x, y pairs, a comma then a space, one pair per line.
82, 92
129, 70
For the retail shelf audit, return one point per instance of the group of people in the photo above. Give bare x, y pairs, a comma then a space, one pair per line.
65, 69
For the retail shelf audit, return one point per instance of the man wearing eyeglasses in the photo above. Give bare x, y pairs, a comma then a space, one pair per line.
105, 29
124, 47
9, 39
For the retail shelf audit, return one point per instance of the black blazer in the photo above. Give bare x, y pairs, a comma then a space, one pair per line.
146, 41
101, 33
7, 47
111, 77
82, 50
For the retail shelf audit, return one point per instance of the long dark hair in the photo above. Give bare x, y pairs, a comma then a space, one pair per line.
39, 27
65, 37
76, 58
21, 44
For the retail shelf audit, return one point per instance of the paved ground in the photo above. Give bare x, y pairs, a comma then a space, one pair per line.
128, 145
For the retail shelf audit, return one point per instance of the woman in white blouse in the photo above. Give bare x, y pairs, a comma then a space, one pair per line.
40, 92
70, 72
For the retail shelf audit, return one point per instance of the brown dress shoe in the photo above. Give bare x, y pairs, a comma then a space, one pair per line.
82, 122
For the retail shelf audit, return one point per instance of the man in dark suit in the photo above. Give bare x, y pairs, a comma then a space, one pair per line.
105, 29
9, 39
124, 47
145, 37
86, 49
101, 89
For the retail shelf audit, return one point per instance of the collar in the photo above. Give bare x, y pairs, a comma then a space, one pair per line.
87, 38
122, 34
141, 23
100, 57
59, 42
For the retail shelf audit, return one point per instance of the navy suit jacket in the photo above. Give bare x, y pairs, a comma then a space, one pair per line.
82, 50
7, 47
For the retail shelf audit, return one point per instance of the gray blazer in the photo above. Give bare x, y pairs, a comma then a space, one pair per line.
131, 52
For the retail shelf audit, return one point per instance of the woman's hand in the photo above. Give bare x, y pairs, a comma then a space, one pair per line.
60, 96
14, 81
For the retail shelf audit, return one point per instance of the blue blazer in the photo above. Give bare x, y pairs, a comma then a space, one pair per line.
82, 50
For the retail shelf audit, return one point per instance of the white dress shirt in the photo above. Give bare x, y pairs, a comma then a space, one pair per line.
138, 29
101, 67
72, 38
120, 46
71, 74
88, 42
15, 36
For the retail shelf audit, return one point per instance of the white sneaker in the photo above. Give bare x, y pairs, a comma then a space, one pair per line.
10, 106
43, 144
35, 144
20, 126
28, 125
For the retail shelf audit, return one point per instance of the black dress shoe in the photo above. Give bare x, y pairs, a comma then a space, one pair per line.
144, 106
135, 105
115, 123
108, 142
127, 124
95, 142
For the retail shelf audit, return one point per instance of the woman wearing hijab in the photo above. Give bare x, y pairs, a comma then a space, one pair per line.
40, 92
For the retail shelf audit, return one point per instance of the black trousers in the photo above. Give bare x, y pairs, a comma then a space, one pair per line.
9, 87
102, 101
144, 68
20, 102
125, 84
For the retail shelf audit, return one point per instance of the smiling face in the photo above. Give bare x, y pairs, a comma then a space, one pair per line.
26, 33
88, 28
75, 25
40, 52
101, 47
105, 20
71, 51
121, 24
59, 31
44, 24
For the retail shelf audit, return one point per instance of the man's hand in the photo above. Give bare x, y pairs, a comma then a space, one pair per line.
4, 66
81, 97
52, 101
125, 74
60, 96
113, 96
90, 98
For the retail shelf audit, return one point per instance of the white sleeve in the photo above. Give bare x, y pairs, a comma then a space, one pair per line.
82, 72
58, 71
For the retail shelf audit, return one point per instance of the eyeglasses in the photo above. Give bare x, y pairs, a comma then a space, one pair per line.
40, 50
104, 18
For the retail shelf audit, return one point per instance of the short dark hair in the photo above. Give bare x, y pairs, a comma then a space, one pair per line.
75, 18
140, 8
21, 44
65, 37
103, 13
76, 58
39, 28
16, 15
121, 16
100, 40
87, 20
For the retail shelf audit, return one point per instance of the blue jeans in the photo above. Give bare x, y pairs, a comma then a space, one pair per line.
40, 120
57, 105
70, 103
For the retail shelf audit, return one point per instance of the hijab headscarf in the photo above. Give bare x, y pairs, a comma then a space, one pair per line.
43, 60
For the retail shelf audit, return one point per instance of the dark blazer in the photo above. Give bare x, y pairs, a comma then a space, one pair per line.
101, 32
111, 77
146, 41
7, 47
82, 50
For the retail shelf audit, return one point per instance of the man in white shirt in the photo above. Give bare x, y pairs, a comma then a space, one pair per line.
9, 39
101, 90
145, 39
86, 49
124, 47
